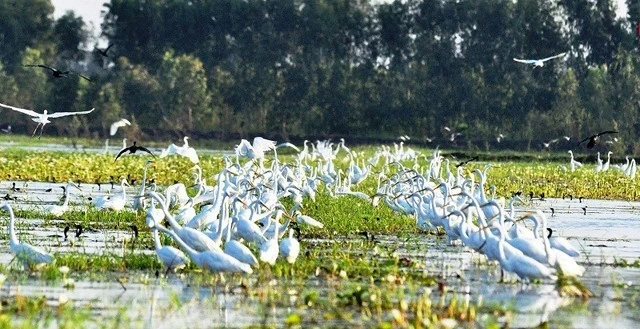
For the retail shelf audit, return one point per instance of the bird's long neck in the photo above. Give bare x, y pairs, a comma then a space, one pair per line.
172, 221
66, 196
124, 191
221, 219
13, 238
144, 180
192, 253
156, 238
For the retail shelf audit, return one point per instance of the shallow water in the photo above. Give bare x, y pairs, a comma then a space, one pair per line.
609, 232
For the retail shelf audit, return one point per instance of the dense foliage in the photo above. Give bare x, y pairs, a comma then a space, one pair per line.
302, 68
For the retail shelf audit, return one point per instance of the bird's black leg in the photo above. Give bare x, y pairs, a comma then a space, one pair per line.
34, 131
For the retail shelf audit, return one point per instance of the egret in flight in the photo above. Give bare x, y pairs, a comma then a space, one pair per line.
118, 124
43, 118
538, 62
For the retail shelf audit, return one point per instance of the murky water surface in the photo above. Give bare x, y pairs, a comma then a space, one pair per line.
607, 233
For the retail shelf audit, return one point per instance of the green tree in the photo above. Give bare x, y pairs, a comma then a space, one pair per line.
140, 93
186, 100
70, 33
22, 24
107, 101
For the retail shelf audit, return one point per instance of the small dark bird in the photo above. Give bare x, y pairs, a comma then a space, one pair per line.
580, 198
78, 230
14, 188
104, 52
57, 73
133, 149
550, 232
48, 190
553, 212
584, 210
8, 197
542, 196
571, 197
462, 163
531, 195
592, 139
66, 232
135, 231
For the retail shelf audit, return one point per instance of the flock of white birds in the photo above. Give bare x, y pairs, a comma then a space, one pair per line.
628, 168
217, 226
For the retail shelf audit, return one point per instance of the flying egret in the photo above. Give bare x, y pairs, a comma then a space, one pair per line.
255, 150
538, 62
184, 150
118, 124
43, 118
26, 253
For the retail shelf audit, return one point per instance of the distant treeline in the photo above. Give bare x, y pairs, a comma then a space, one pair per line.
296, 68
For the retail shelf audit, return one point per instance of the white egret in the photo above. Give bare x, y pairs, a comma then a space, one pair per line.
139, 202
192, 237
214, 261
255, 150
562, 244
269, 250
118, 124
43, 118
171, 257
115, 202
538, 62
240, 252
606, 165
184, 150
523, 266
290, 248
59, 210
26, 253
574, 164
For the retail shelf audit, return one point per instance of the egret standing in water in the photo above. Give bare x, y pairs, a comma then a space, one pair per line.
43, 118
57, 210
26, 253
